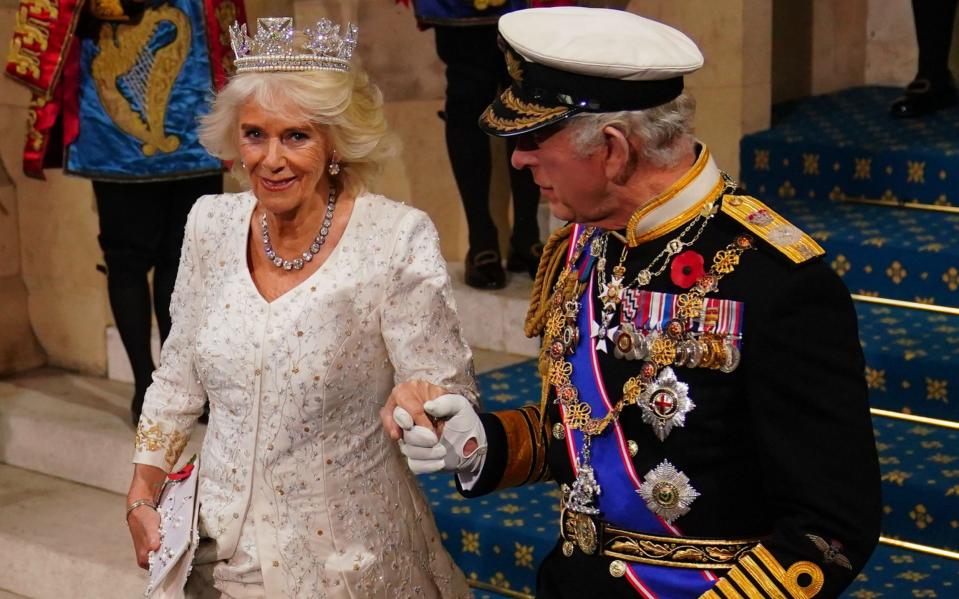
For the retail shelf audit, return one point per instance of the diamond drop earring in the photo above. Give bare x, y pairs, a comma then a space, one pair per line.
334, 167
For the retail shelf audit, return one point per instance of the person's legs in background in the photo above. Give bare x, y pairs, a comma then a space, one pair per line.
141, 227
179, 197
525, 247
933, 88
130, 240
473, 67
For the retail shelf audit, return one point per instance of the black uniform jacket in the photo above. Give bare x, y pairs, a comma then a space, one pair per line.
781, 448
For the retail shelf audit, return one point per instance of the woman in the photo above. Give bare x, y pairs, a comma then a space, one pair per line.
298, 306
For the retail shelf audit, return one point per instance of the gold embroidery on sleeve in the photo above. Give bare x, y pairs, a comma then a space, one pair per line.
153, 438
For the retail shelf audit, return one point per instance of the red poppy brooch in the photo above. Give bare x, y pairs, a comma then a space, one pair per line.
686, 269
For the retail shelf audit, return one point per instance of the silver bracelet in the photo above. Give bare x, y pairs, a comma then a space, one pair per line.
147, 502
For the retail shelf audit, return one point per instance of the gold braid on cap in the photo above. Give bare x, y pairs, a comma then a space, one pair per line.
278, 47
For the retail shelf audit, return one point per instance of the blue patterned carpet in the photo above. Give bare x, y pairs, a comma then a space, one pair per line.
912, 360
896, 253
499, 539
846, 143
898, 574
841, 145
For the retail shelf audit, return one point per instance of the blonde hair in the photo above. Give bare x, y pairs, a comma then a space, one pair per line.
346, 106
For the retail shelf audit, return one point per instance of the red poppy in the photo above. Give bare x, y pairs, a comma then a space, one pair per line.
686, 269
182, 474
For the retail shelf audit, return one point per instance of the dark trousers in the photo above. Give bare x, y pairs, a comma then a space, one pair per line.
934, 20
141, 227
475, 72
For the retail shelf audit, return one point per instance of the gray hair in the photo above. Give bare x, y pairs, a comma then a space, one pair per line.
665, 132
347, 105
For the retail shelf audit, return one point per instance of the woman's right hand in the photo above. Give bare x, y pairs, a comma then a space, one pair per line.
144, 523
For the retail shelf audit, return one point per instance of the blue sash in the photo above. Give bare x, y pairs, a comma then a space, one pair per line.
619, 502
142, 87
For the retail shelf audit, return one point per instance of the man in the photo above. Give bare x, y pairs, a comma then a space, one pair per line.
704, 407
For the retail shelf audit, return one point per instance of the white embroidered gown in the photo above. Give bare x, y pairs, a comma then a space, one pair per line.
301, 491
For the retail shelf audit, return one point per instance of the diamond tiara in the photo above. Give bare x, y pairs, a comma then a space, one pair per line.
278, 47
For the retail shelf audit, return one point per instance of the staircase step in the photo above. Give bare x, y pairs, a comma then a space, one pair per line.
912, 360
494, 319
70, 426
895, 253
62, 539
920, 482
893, 572
845, 143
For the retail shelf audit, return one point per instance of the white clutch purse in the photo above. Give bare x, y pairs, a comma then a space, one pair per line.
179, 511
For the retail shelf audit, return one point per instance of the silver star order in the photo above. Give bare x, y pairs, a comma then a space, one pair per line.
667, 492
664, 393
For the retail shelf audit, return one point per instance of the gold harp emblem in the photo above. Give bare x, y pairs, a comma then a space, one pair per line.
135, 70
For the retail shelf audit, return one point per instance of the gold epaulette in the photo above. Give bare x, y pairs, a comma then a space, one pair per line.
764, 222
554, 255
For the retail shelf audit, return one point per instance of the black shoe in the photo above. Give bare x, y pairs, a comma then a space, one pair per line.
484, 270
923, 97
525, 259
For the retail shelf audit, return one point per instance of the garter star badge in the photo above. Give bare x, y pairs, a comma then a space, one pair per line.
665, 403
667, 492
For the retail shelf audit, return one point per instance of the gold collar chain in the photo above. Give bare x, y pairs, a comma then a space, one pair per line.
562, 336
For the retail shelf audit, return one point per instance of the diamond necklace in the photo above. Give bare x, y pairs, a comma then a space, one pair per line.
314, 249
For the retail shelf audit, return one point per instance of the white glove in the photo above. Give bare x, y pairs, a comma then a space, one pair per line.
426, 454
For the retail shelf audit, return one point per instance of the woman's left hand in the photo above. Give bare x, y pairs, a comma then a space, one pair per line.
410, 396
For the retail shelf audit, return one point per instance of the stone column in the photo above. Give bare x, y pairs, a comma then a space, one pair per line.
56, 251
733, 89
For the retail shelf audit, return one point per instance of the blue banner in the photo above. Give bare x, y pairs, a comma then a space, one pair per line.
143, 87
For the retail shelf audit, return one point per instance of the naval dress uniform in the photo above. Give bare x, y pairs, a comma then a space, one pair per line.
774, 460
704, 408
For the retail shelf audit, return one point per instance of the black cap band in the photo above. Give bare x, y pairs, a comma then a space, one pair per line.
594, 94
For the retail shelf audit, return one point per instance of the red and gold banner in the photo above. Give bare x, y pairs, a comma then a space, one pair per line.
45, 108
220, 14
41, 38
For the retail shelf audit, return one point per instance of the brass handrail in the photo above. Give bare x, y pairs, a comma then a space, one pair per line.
476, 584
883, 301
946, 553
899, 204
952, 424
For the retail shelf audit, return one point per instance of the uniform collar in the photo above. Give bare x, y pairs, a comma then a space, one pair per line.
702, 183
